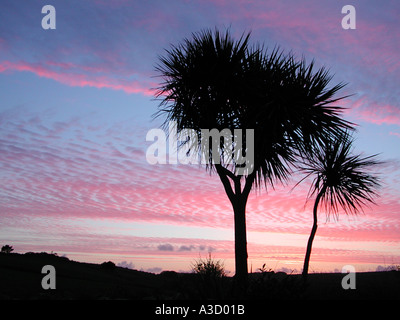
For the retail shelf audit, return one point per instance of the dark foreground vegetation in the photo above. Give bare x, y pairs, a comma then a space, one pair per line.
21, 277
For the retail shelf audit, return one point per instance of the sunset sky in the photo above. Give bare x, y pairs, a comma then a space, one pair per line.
77, 103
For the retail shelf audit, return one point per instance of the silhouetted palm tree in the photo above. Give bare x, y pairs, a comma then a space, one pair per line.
212, 81
341, 181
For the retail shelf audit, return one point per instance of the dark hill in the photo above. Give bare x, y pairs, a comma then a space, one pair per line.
20, 278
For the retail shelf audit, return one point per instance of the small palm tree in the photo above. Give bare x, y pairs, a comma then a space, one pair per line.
341, 181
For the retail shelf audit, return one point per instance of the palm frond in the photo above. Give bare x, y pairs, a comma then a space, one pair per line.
343, 176
212, 81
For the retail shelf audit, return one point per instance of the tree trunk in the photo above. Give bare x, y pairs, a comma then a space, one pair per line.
239, 208
238, 199
312, 235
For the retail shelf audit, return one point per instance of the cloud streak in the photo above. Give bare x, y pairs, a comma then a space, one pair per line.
81, 79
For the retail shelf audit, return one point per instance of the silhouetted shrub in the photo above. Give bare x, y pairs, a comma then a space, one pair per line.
109, 265
209, 268
210, 278
7, 249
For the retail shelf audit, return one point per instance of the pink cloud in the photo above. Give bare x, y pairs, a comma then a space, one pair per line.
63, 75
376, 113
318, 26
372, 45
47, 176
368, 109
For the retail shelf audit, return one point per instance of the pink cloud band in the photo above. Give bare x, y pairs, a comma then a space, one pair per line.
80, 80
